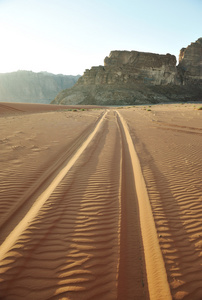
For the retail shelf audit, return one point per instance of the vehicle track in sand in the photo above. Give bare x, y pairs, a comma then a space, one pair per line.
44, 195
24, 176
82, 238
171, 162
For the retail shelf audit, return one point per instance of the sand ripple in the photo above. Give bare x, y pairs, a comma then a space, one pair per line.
172, 166
107, 227
73, 248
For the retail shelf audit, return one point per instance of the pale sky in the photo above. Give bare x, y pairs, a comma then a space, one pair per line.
67, 37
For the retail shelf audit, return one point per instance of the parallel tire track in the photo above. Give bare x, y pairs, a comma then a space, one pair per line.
80, 238
71, 248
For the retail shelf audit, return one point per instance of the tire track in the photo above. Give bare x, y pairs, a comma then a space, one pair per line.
71, 248
172, 170
13, 236
26, 172
132, 277
156, 274
81, 239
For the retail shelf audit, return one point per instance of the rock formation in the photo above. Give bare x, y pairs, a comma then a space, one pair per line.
133, 67
132, 77
27, 86
190, 63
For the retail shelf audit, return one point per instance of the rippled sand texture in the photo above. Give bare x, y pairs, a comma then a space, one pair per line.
168, 140
101, 204
84, 241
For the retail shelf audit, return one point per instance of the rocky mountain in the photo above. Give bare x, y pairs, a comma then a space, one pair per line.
27, 86
132, 77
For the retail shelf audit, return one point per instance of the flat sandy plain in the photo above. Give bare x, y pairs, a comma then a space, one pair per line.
101, 203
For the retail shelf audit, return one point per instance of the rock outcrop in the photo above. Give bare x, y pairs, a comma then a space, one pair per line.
133, 67
27, 86
132, 77
190, 63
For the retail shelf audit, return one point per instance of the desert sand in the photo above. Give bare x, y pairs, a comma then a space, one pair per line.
100, 203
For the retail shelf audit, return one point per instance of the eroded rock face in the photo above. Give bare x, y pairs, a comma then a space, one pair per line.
130, 67
190, 63
132, 77
141, 60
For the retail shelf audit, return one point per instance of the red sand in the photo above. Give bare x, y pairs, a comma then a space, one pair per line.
97, 205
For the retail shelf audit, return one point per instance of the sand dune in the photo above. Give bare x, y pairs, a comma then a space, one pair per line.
80, 220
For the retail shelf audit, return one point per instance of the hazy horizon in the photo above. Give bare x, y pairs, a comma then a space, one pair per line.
38, 72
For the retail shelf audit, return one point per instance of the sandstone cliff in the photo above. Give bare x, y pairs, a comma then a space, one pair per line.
27, 86
132, 77
190, 63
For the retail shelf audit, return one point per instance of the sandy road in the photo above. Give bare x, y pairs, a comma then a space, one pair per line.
82, 238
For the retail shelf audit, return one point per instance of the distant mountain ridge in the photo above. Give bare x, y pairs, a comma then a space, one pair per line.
31, 87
